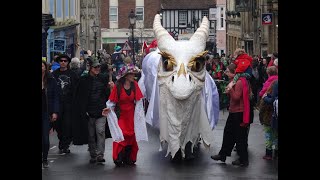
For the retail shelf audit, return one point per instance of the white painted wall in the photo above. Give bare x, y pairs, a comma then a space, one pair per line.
139, 2
221, 31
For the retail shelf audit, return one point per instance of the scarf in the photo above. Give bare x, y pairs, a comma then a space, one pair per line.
216, 70
246, 101
267, 84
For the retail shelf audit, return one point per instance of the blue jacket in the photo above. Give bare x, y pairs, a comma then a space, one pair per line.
55, 66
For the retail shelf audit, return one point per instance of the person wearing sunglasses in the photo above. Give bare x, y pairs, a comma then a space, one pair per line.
89, 125
67, 81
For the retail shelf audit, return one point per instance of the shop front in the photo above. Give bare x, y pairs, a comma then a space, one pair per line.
62, 40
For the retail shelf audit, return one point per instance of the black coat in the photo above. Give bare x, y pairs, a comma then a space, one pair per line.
52, 95
80, 118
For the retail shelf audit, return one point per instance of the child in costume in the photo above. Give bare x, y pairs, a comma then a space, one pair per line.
244, 67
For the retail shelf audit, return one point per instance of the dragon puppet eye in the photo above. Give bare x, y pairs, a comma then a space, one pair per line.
198, 64
168, 61
167, 65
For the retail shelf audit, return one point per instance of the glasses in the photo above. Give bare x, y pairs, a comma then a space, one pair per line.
97, 67
63, 60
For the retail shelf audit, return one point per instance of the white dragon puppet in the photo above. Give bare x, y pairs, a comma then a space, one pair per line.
183, 98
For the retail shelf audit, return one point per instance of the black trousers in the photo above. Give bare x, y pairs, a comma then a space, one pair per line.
63, 126
45, 136
235, 134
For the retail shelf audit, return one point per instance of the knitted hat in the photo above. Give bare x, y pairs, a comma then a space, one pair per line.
117, 48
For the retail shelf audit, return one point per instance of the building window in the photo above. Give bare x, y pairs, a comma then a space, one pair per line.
72, 6
221, 18
183, 18
59, 8
139, 13
212, 25
213, 12
51, 11
113, 16
66, 8
205, 13
221, 52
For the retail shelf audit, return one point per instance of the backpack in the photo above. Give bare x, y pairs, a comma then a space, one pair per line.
117, 60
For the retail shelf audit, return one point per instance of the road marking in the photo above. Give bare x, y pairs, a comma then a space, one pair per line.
52, 161
53, 147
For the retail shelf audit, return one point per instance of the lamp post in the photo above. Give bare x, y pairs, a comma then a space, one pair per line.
94, 28
215, 37
132, 22
45, 49
82, 40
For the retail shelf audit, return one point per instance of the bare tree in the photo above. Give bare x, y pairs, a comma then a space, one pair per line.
143, 33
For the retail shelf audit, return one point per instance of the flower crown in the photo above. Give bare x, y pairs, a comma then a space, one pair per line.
126, 69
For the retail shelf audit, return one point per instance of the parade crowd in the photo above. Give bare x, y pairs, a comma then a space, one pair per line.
79, 94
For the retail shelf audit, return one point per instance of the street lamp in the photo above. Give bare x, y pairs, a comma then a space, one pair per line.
94, 28
132, 22
45, 31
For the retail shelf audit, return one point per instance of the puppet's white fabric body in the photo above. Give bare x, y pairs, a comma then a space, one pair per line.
183, 98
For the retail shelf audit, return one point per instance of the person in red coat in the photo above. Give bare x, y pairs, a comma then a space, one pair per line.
125, 93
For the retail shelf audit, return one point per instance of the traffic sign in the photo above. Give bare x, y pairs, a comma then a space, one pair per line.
126, 47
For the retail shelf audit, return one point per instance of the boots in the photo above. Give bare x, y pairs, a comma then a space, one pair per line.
268, 155
127, 159
188, 154
275, 155
219, 157
119, 160
177, 157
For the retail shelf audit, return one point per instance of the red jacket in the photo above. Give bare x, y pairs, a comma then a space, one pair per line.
243, 61
270, 63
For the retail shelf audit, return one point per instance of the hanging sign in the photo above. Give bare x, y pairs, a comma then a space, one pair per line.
266, 18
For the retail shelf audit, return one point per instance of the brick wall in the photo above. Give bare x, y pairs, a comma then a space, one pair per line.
124, 9
150, 10
104, 21
151, 7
